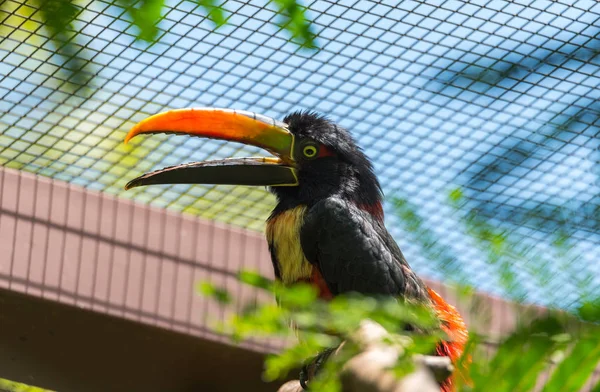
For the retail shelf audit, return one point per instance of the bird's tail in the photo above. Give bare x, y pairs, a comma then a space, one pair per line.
454, 326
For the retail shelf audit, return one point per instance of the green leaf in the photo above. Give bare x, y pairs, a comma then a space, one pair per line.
13, 386
522, 356
456, 195
58, 15
346, 312
146, 17
277, 366
264, 320
214, 11
294, 20
299, 295
590, 310
575, 369
403, 367
473, 362
596, 387
256, 280
328, 379
210, 290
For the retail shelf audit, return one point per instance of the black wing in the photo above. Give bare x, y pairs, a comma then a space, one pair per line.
355, 252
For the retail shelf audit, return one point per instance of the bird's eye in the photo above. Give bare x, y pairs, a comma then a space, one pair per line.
310, 151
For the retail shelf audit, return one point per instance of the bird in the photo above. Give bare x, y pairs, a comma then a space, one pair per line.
327, 226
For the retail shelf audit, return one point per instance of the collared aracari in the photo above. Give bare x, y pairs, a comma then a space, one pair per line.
327, 226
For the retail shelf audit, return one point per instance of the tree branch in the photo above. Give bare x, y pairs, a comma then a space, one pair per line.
369, 370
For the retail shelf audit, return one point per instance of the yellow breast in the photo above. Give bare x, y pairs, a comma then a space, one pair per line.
283, 234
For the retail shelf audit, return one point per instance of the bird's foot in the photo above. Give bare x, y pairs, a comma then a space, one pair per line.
311, 369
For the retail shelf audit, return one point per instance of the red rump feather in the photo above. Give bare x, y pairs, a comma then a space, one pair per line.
454, 326
375, 209
317, 279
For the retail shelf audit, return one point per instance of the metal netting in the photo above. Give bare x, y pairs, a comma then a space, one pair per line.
497, 98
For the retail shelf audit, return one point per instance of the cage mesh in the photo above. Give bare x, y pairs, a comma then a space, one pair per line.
496, 98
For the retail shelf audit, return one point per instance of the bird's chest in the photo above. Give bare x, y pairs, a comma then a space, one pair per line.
283, 235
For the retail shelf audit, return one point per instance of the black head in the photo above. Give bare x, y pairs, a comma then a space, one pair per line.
329, 162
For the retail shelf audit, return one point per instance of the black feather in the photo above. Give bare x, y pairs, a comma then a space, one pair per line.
355, 252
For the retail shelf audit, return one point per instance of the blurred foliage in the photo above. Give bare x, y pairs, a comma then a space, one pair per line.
521, 151
12, 386
320, 325
554, 344
499, 247
556, 340
293, 19
86, 149
59, 18
589, 310
80, 140
446, 260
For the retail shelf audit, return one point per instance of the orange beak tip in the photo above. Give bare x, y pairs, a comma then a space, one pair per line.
131, 134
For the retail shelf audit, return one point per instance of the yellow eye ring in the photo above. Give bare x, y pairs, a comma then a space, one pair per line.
309, 151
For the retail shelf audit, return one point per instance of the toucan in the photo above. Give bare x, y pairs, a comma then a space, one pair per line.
327, 226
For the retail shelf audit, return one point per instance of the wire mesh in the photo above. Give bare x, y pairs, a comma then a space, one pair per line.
497, 98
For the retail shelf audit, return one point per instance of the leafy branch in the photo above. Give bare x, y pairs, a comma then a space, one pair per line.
556, 340
59, 18
321, 325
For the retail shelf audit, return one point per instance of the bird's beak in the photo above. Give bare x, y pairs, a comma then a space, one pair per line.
223, 124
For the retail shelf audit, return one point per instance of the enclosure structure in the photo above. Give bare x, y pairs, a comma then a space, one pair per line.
495, 99
98, 293
71, 255
490, 103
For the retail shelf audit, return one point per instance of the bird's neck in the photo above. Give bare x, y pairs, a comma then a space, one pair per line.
375, 208
356, 186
